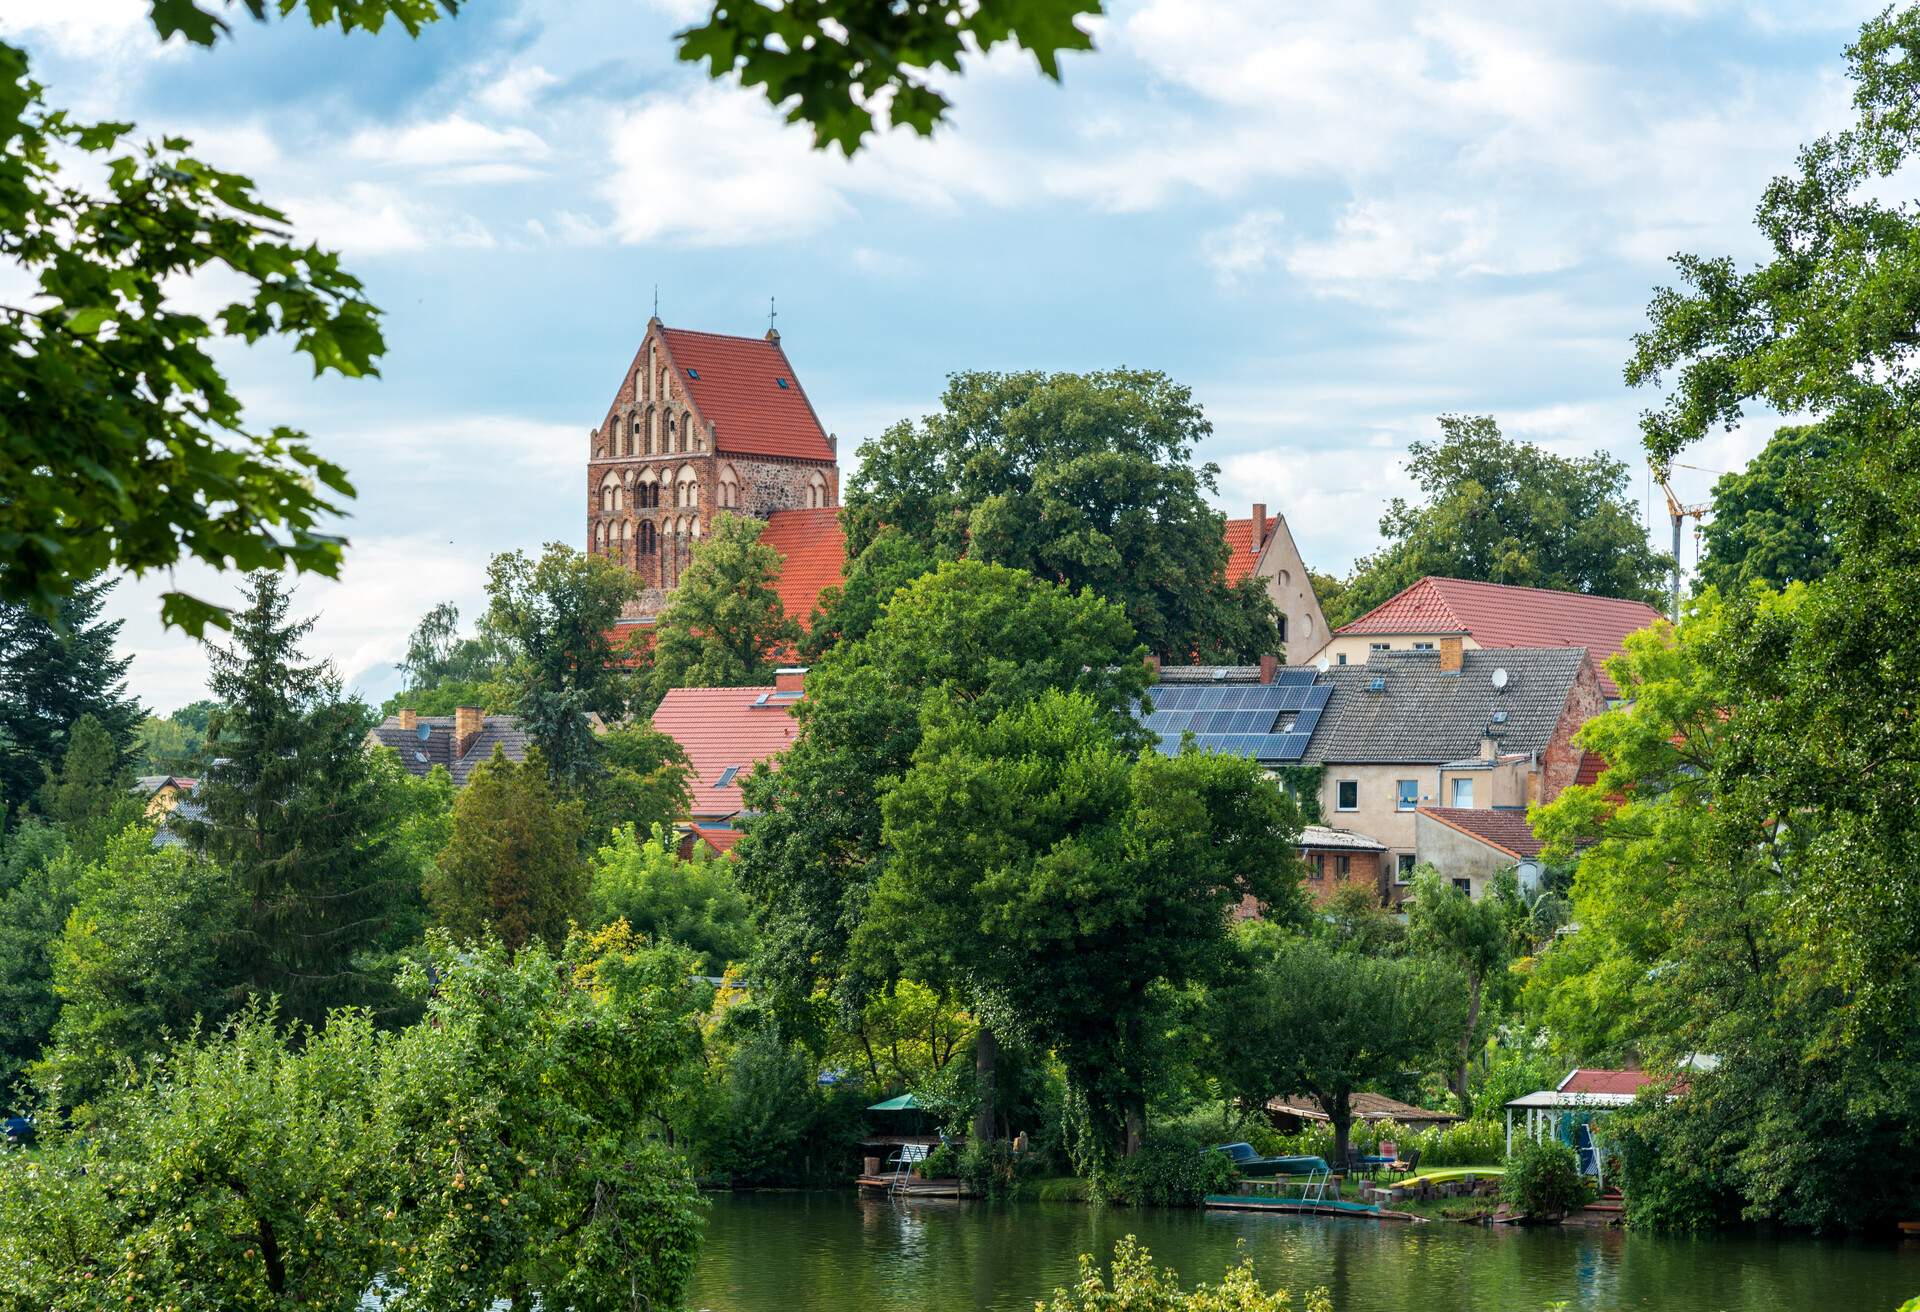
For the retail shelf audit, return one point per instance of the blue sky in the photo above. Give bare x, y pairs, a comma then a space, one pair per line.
1333, 222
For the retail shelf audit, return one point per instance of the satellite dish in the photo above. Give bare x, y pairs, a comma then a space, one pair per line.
1322, 664
1500, 677
423, 732
420, 757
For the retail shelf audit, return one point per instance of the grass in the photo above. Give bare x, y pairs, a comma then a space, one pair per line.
1450, 1209
1055, 1189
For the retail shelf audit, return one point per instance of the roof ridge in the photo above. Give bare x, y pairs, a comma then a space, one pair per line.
1527, 587
725, 337
1423, 582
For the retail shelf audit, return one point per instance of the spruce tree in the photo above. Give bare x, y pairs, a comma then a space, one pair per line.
50, 676
512, 865
294, 812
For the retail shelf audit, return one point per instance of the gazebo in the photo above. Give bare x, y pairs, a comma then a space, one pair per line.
1576, 1100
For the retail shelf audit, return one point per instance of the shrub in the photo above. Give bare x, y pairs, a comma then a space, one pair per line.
994, 1168
1140, 1286
1544, 1181
1170, 1170
943, 1163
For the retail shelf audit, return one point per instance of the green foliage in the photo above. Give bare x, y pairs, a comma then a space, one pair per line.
1509, 512
495, 1150
1352, 919
88, 797
850, 610
903, 1037
53, 672
1544, 1181
1063, 881
724, 624
1771, 520
1461, 1143
143, 958
1087, 479
643, 782
969, 636
512, 865
1479, 938
1170, 1170
838, 67
557, 615
171, 744
37, 878
1299, 1016
1139, 1286
202, 24
693, 902
297, 815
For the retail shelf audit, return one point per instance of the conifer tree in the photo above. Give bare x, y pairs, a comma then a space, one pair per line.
513, 864
294, 812
89, 796
51, 674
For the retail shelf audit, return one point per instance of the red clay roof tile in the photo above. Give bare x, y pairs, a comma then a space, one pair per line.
1507, 831
815, 548
721, 728
735, 382
1241, 557
1500, 615
1589, 1080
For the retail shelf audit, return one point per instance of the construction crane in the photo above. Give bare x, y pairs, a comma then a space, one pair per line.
1678, 510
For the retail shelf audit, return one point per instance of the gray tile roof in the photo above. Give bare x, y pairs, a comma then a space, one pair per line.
1324, 836
1422, 716
419, 753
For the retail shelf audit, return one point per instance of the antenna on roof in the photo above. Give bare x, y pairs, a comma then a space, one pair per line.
656, 300
772, 313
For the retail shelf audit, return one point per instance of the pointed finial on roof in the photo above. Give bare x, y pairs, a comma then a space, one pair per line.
656, 301
773, 334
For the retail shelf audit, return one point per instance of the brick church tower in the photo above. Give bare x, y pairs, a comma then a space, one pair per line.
701, 423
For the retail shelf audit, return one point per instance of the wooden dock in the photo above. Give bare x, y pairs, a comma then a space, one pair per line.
911, 1188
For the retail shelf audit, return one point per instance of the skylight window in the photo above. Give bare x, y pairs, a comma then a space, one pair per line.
726, 776
693, 373
782, 382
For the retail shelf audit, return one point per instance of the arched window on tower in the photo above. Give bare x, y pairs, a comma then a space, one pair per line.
610, 492
686, 431
687, 488
649, 540
729, 488
816, 491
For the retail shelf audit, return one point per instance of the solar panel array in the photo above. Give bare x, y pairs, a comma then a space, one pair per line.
1271, 722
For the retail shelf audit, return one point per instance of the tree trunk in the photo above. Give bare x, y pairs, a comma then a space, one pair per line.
986, 1056
1459, 1075
1136, 1127
1340, 1112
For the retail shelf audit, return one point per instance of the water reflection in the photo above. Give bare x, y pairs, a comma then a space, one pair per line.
790, 1252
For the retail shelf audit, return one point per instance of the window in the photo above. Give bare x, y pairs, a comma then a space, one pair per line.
1462, 792
816, 491
1346, 795
1343, 866
1342, 658
1379, 646
1403, 868
782, 382
1407, 794
726, 776
1423, 646
1464, 885
649, 542
1283, 628
693, 373
1316, 868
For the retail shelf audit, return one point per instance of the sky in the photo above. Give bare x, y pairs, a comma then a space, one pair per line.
1332, 222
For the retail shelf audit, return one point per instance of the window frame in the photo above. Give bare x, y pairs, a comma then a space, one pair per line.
1401, 800
1453, 792
1403, 866
1339, 787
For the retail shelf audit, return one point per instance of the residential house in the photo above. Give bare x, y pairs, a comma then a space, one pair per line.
461, 742
1489, 615
1464, 729
725, 732
1470, 847
1261, 547
170, 799
1335, 857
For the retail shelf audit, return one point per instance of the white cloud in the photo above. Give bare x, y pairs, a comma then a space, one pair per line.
81, 29
369, 219
1252, 244
454, 150
514, 91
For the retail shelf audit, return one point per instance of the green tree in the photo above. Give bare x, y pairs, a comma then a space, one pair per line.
850, 610
51, 674
1298, 1016
557, 615
294, 812
498, 1151
836, 65
693, 902
512, 866
972, 635
1065, 877
724, 626
1085, 479
443, 670
101, 372
90, 797
37, 877
1508, 512
1769, 521
1478, 937
1819, 690
142, 959
171, 744
644, 783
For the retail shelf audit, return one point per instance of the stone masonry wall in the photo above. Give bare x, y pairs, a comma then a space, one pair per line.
1561, 761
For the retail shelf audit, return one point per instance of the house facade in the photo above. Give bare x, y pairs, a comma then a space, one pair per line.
1471, 847
1262, 547
702, 423
1490, 615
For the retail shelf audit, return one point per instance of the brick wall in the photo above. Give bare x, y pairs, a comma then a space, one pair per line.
1561, 761
1324, 878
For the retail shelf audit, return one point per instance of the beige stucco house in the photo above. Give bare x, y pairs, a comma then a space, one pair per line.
1262, 547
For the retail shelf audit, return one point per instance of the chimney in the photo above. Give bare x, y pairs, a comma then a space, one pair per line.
1153, 667
466, 727
408, 720
1450, 655
1489, 747
1269, 665
1259, 527
790, 678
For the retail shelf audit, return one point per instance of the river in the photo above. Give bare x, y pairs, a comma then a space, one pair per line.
802, 1252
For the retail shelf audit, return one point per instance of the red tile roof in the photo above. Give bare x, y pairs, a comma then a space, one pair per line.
1505, 831
722, 727
738, 389
718, 837
815, 548
1600, 1081
1591, 764
1500, 615
1241, 557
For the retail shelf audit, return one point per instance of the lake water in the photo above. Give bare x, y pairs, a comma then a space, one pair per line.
801, 1252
